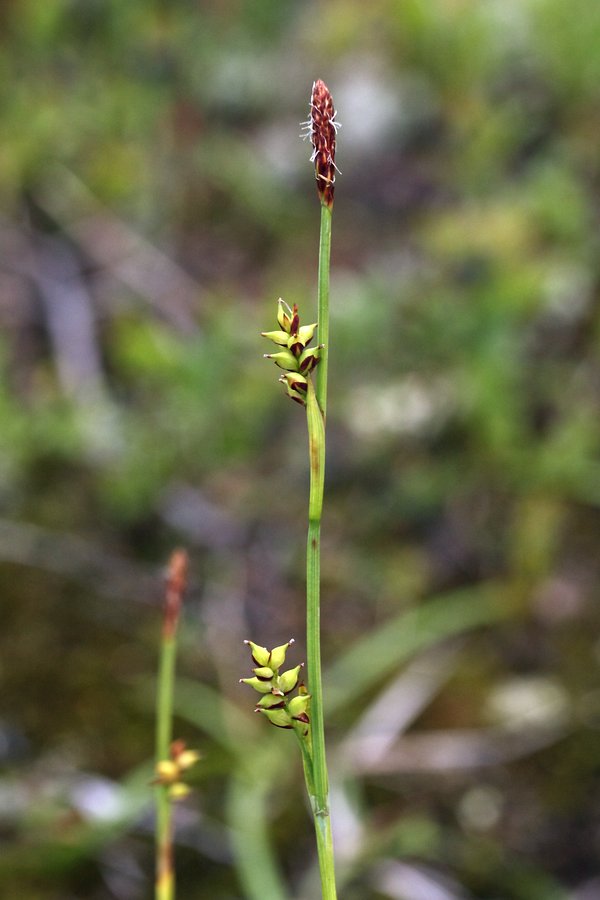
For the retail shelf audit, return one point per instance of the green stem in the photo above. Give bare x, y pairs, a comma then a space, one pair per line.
316, 445
325, 854
315, 767
165, 875
323, 304
322, 826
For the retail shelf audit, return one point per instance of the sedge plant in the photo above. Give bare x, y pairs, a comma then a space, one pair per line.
305, 379
173, 758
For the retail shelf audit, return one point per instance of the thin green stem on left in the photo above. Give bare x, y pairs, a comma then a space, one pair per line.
175, 588
165, 875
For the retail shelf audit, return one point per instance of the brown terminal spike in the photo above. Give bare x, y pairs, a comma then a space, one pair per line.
322, 132
177, 576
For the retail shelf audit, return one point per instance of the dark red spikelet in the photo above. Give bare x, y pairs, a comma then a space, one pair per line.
322, 135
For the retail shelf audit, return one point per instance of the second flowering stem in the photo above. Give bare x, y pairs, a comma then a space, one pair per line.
176, 584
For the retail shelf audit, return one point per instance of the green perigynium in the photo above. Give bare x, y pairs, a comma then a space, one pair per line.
275, 686
274, 659
295, 356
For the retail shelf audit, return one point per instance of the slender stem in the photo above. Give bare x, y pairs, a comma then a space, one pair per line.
322, 828
323, 304
175, 587
326, 858
165, 875
316, 446
313, 659
316, 768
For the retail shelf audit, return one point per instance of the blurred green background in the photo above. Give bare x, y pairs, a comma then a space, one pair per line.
156, 201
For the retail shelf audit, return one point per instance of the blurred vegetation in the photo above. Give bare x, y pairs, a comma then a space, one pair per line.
156, 201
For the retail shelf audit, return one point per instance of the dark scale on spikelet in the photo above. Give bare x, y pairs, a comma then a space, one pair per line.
321, 128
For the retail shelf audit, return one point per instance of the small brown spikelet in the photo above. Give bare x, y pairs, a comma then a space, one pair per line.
322, 129
177, 575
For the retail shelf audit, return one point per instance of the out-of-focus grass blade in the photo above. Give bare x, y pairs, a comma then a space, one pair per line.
380, 652
202, 706
256, 767
248, 803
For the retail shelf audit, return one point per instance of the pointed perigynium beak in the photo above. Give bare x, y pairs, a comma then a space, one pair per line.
285, 359
280, 338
